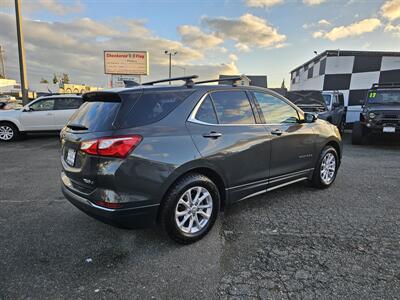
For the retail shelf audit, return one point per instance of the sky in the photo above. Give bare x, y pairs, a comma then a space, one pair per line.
254, 37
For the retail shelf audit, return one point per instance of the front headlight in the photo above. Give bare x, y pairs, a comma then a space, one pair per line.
371, 115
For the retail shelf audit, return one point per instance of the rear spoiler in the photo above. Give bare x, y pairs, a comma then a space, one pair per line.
101, 96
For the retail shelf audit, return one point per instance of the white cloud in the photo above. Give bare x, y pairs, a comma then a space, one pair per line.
393, 29
248, 31
263, 3
324, 22
53, 6
194, 37
391, 9
76, 47
242, 47
313, 2
233, 57
59, 8
320, 23
318, 34
355, 29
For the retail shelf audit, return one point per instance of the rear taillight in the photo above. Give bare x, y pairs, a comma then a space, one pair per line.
119, 146
111, 205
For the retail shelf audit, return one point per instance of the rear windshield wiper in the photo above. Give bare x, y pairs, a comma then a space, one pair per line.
77, 127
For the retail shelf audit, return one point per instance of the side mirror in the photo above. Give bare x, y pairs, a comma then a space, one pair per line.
310, 118
335, 105
26, 108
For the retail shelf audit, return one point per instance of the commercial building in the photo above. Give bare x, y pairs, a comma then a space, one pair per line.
253, 80
350, 72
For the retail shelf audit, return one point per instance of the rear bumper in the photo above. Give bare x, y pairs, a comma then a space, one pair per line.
138, 217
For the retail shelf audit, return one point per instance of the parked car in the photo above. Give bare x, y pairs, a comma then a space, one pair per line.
9, 105
328, 106
44, 114
337, 111
380, 113
177, 155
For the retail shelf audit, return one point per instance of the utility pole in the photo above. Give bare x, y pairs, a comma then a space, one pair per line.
170, 54
21, 53
3, 69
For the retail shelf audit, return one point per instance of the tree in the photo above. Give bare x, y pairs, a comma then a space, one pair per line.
283, 84
43, 80
55, 79
65, 78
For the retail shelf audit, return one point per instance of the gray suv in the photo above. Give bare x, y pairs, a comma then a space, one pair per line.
177, 155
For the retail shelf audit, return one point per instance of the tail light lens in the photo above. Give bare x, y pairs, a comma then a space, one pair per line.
109, 204
119, 146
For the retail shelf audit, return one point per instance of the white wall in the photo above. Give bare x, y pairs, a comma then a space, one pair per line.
339, 65
360, 81
390, 63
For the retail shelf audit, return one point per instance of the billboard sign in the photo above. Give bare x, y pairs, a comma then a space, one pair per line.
126, 62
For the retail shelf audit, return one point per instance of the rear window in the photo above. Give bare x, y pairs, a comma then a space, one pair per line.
96, 116
152, 106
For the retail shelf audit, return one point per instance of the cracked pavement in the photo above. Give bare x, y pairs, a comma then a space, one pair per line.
292, 243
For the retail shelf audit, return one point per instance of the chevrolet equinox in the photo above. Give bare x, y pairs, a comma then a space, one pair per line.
176, 155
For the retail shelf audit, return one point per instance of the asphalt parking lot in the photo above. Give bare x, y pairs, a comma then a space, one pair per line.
292, 243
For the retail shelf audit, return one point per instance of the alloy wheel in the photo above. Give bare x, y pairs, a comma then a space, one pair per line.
328, 168
193, 210
6, 133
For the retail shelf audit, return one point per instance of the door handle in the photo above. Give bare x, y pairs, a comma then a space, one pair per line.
276, 132
49, 114
212, 135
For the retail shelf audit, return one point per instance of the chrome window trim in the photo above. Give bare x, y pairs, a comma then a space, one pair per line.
192, 116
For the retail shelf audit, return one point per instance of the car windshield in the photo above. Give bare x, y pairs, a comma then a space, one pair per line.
384, 97
327, 99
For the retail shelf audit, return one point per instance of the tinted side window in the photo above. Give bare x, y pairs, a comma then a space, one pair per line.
43, 105
233, 107
276, 111
206, 112
152, 106
68, 103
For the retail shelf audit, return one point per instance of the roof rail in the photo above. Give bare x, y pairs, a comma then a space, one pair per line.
385, 85
188, 80
232, 79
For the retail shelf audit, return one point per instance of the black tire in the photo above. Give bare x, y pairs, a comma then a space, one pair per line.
6, 129
359, 134
168, 219
317, 180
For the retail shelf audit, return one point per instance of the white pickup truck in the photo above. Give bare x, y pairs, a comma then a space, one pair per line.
48, 113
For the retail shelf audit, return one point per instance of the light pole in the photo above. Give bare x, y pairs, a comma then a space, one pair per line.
21, 53
170, 54
182, 68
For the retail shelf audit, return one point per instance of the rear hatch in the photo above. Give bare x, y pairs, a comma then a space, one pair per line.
110, 116
94, 119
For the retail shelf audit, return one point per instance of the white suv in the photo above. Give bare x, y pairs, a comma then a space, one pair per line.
48, 113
